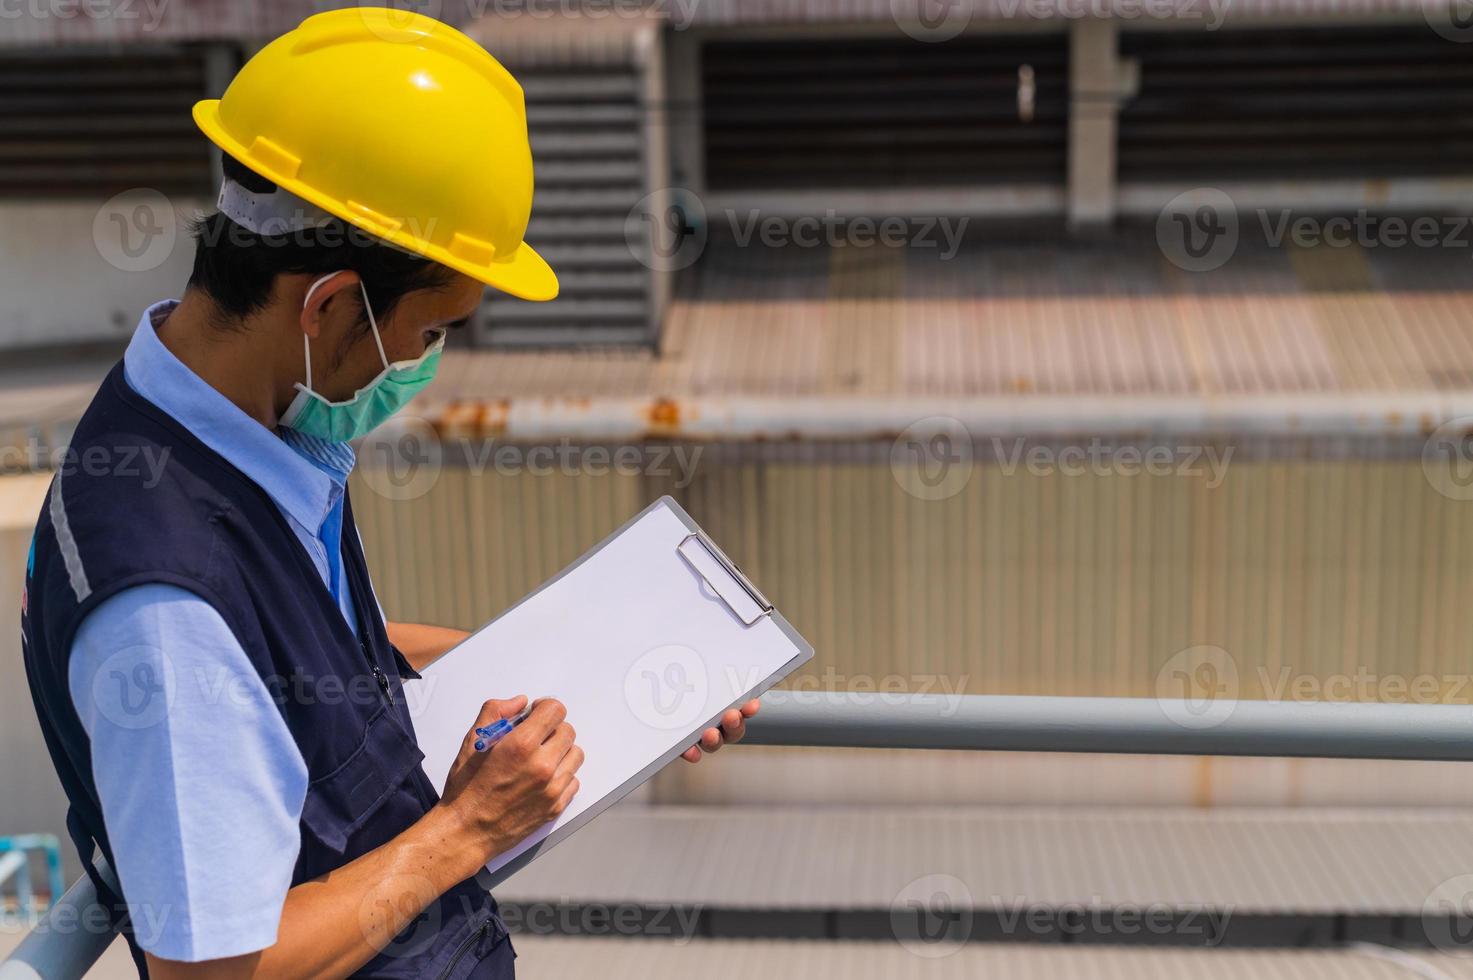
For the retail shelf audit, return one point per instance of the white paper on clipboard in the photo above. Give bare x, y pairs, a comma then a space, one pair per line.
647, 639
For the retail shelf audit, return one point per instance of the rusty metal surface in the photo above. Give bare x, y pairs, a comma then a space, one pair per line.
1018, 336
1031, 338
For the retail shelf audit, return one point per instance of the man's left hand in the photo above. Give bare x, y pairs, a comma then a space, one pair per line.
733, 727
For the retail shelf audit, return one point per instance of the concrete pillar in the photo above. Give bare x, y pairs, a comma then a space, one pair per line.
1095, 78
682, 109
222, 60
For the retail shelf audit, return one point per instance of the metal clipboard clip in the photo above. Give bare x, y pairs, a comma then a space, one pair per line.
724, 578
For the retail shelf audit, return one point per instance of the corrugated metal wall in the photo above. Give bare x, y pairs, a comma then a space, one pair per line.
1323, 558
1301, 563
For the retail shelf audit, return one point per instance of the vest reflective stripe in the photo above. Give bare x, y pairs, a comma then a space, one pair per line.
67, 544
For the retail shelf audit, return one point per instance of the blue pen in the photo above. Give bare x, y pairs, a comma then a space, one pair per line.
499, 729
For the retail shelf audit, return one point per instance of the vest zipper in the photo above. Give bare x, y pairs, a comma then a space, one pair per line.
465, 945
378, 673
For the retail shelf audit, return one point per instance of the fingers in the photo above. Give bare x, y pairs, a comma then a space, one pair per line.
565, 797
733, 724
495, 710
492, 711
564, 782
560, 742
710, 742
547, 714
568, 765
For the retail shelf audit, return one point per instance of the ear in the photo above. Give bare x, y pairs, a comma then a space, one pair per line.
316, 291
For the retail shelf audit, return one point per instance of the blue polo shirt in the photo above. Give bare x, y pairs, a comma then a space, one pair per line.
202, 810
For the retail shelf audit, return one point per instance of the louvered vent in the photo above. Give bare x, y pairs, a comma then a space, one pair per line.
586, 127
101, 122
1271, 104
884, 113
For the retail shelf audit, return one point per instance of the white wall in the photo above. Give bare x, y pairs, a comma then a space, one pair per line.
69, 273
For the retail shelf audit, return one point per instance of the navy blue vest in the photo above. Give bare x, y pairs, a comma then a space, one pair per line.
205, 527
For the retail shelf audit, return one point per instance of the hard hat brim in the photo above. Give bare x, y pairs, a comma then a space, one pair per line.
523, 273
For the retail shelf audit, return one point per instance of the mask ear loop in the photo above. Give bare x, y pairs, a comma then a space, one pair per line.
372, 321
378, 341
307, 341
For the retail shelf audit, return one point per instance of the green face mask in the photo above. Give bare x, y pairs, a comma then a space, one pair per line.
374, 403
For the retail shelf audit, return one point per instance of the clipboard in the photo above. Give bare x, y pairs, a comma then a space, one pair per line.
648, 638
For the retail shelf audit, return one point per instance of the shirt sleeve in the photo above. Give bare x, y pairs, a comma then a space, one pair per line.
200, 780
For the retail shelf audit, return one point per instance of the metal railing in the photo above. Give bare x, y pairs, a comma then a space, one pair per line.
61, 947
68, 940
1146, 726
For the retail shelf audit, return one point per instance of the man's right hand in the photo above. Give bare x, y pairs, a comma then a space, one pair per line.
528, 778
332, 925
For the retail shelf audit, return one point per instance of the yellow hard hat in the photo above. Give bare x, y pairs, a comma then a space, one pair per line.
399, 125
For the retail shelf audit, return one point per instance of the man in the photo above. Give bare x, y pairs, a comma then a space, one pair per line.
215, 680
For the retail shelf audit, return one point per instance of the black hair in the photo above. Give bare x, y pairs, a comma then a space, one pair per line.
237, 268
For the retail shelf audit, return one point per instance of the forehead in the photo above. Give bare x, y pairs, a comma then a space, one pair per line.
458, 298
